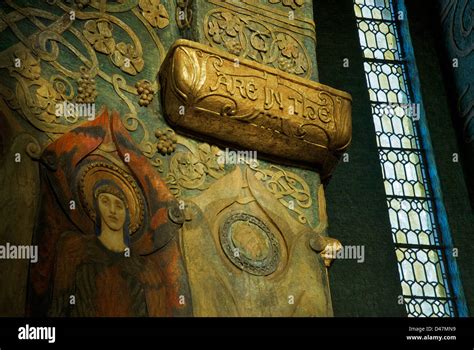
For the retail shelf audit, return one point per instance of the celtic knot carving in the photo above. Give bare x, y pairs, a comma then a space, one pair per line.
290, 189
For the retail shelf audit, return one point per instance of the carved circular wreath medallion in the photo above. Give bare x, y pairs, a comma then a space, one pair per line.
249, 244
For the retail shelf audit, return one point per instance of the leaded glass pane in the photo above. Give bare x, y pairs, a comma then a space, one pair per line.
394, 126
412, 221
376, 9
402, 173
386, 82
421, 272
417, 307
378, 40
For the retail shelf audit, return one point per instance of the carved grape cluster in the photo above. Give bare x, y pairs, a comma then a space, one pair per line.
86, 92
166, 141
146, 92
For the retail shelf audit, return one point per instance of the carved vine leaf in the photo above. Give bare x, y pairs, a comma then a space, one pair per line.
190, 171
125, 56
28, 67
292, 60
226, 24
209, 156
99, 34
127, 59
154, 12
215, 31
301, 65
187, 170
47, 97
233, 46
230, 23
287, 45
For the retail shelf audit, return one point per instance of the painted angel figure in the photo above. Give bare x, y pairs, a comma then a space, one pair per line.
117, 253
97, 275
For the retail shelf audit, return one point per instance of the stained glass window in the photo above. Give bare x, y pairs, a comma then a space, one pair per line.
418, 246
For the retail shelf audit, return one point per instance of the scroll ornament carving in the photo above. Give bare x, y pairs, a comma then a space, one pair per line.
456, 15
126, 56
30, 68
35, 96
82, 3
184, 13
37, 91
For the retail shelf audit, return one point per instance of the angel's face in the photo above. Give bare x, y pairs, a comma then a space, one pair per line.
112, 211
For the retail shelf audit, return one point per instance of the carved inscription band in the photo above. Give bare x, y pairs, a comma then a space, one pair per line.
213, 95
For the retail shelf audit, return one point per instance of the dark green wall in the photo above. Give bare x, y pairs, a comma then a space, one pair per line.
356, 202
356, 199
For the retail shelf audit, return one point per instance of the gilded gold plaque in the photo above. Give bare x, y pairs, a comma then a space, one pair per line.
217, 96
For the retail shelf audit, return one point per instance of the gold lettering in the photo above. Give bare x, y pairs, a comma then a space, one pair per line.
323, 114
246, 89
296, 101
252, 90
223, 79
268, 104
270, 97
310, 113
278, 99
239, 84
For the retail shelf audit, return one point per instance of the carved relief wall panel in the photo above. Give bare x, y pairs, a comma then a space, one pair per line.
458, 40
109, 141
